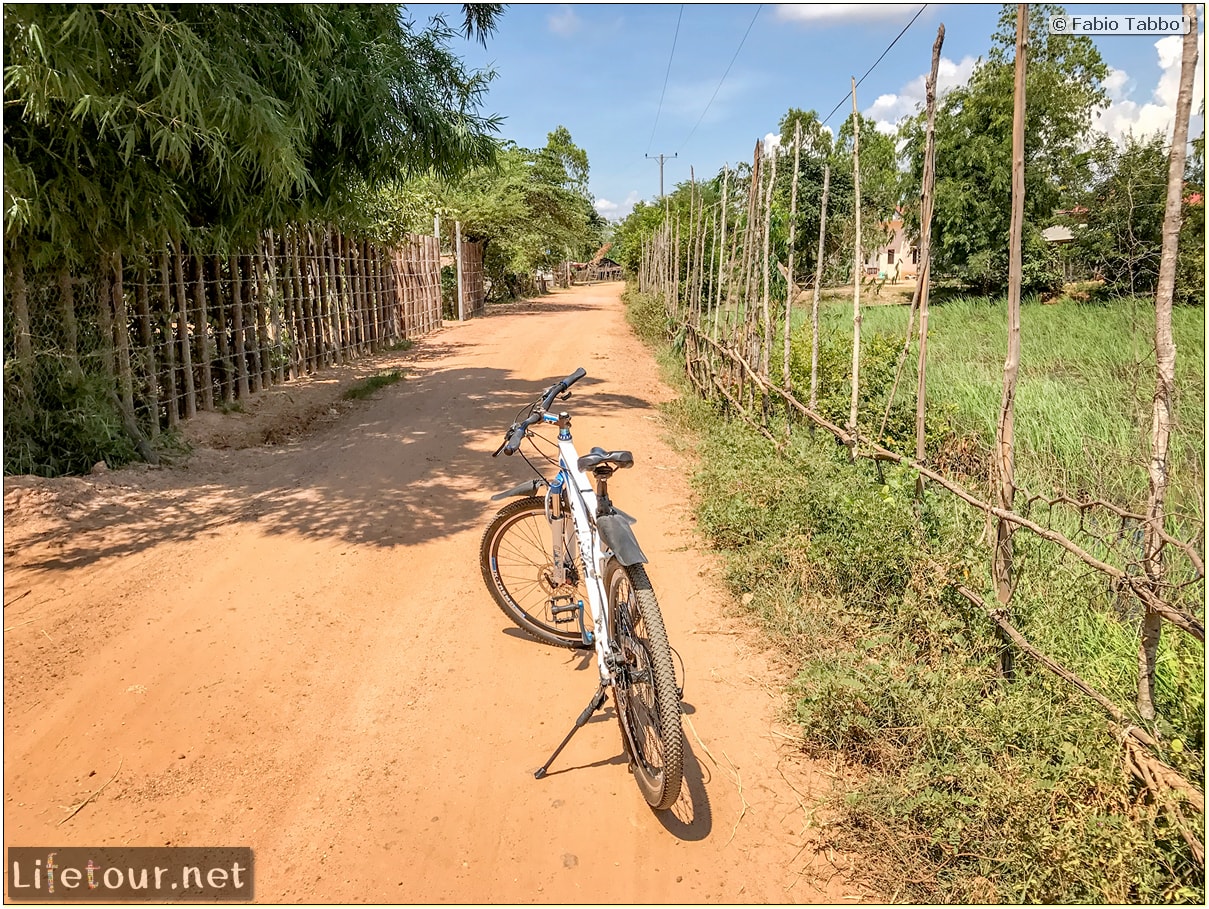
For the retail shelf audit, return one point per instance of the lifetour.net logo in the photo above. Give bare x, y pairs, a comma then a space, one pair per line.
164, 874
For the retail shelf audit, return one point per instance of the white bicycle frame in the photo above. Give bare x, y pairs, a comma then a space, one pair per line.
581, 499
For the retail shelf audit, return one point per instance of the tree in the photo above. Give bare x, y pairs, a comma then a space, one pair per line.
973, 151
127, 124
531, 206
1123, 230
816, 138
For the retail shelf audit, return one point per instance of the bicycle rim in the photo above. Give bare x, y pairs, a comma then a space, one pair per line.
516, 564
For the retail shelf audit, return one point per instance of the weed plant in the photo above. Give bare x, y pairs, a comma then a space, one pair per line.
961, 788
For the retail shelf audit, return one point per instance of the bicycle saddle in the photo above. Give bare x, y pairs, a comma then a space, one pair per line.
598, 456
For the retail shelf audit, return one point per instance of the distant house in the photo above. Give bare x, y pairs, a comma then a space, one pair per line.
897, 258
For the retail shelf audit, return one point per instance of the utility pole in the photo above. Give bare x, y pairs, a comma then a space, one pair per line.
661, 159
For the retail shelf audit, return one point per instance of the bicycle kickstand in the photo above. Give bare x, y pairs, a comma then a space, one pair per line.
597, 702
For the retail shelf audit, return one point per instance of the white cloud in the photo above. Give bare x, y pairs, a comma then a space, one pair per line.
827, 13
888, 109
771, 141
1123, 115
564, 22
615, 211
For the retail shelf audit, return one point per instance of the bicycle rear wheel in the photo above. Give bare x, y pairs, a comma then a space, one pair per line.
515, 557
648, 704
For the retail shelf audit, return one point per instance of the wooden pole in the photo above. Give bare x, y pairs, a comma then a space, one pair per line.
121, 336
818, 285
237, 329
20, 303
166, 311
182, 329
793, 223
1005, 444
857, 273
457, 232
766, 304
203, 332
1164, 345
150, 375
277, 302
925, 260
224, 341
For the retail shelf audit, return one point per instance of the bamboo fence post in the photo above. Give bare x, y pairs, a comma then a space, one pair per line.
361, 297
146, 333
766, 353
264, 300
461, 270
818, 286
749, 234
182, 328
857, 273
278, 303
204, 355
237, 330
320, 308
925, 258
793, 223
723, 252
253, 318
20, 303
105, 320
71, 329
121, 334
1164, 343
340, 306
165, 320
302, 292
224, 339
1005, 447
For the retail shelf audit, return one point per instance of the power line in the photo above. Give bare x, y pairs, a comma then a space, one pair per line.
723, 79
875, 63
665, 77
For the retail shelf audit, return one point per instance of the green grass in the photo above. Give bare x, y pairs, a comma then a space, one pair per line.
367, 387
962, 788
1085, 387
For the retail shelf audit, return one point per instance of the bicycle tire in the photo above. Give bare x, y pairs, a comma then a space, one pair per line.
644, 691
513, 555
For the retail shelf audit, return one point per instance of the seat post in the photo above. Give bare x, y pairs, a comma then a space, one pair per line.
602, 473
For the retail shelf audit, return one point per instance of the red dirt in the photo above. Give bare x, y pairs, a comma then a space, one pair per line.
290, 647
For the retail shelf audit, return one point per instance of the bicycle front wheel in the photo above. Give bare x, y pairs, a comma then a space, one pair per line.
516, 560
648, 704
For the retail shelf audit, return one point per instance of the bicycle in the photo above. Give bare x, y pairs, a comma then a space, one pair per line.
544, 555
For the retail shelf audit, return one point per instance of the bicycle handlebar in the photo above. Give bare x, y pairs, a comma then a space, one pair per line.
516, 432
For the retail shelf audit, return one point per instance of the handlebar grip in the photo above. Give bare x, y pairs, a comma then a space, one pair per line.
513, 442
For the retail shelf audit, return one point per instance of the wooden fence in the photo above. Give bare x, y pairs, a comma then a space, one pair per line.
183, 330
735, 343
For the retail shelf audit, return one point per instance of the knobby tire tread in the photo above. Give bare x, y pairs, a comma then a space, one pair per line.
667, 697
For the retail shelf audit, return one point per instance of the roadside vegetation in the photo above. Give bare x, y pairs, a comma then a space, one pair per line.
957, 787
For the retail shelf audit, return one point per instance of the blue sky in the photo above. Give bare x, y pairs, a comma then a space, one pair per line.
599, 70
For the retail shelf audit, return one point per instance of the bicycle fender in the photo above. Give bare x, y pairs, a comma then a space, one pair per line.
528, 488
615, 531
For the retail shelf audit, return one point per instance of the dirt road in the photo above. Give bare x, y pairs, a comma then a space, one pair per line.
290, 647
